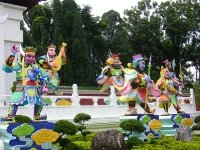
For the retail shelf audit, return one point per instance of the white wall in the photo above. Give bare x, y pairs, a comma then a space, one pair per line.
10, 34
54, 112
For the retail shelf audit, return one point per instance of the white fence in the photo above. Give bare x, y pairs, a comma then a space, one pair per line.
96, 110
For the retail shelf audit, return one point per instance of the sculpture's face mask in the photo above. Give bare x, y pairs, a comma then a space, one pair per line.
51, 52
29, 58
141, 65
169, 66
167, 74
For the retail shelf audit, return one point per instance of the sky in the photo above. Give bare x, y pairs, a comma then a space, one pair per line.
101, 6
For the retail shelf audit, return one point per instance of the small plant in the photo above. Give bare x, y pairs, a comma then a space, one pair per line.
64, 128
23, 119
197, 121
132, 126
133, 141
80, 120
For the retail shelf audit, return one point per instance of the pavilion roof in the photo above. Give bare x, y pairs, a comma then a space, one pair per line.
26, 3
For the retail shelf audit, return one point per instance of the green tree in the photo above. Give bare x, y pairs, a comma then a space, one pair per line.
80, 119
39, 20
69, 10
57, 13
120, 44
80, 57
65, 128
66, 72
132, 126
180, 24
110, 21
145, 32
92, 33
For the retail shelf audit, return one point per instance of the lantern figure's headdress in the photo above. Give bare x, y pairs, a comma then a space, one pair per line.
30, 50
51, 46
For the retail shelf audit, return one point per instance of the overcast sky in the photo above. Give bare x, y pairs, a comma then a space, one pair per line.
101, 6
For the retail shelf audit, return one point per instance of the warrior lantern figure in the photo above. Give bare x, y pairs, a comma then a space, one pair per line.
136, 84
170, 87
52, 64
111, 74
28, 78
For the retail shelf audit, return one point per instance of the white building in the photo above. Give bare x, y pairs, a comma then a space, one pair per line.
10, 34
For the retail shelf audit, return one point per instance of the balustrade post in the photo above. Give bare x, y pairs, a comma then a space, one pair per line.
192, 97
1, 144
95, 100
75, 96
113, 97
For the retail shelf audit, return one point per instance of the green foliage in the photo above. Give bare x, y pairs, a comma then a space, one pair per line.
81, 118
132, 125
133, 141
197, 119
79, 137
23, 119
81, 142
80, 57
167, 31
196, 127
166, 143
83, 145
65, 127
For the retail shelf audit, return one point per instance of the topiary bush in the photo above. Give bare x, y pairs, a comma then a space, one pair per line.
197, 119
168, 143
196, 127
132, 126
133, 141
23, 119
80, 119
83, 145
65, 128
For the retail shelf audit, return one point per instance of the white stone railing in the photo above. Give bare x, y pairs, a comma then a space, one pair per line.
76, 105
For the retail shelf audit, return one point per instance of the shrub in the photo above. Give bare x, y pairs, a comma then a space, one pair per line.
132, 126
65, 127
169, 143
83, 145
80, 120
133, 141
23, 119
79, 137
196, 127
197, 119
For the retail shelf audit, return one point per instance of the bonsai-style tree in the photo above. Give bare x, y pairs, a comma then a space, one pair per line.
23, 119
197, 121
80, 119
64, 128
132, 126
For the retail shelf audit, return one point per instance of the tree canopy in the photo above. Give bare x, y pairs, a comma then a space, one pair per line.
169, 30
